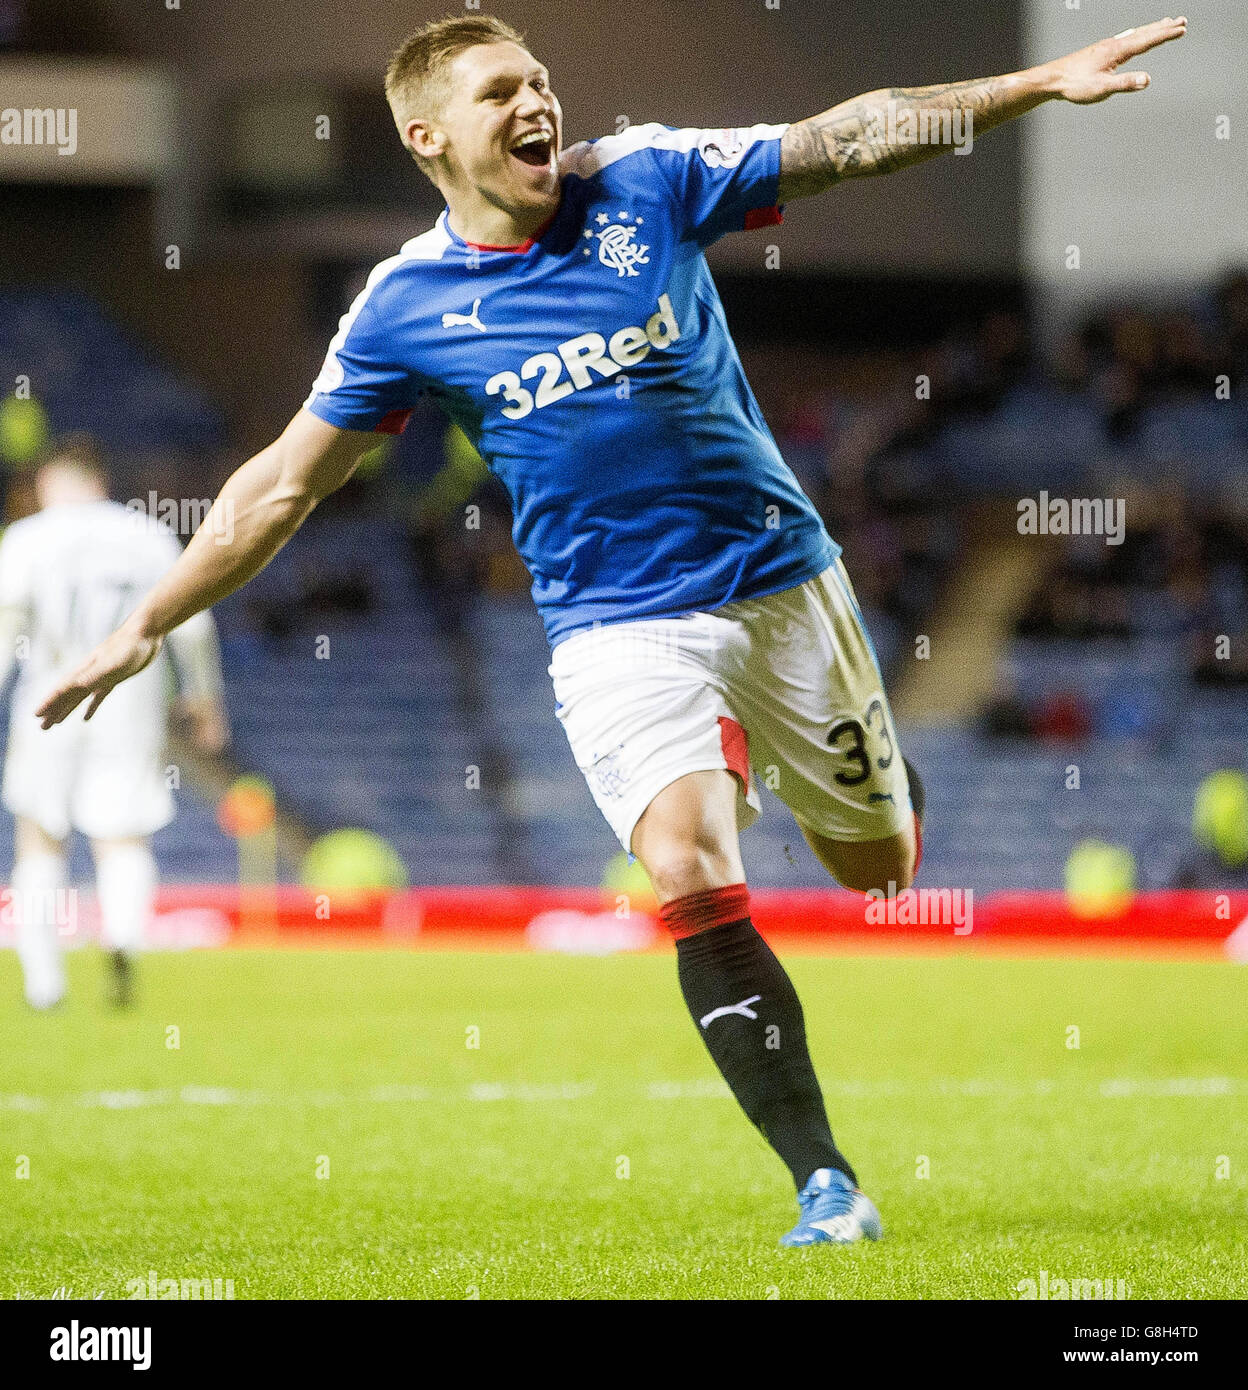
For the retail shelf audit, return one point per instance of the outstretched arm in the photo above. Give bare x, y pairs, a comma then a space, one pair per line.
260, 507
869, 134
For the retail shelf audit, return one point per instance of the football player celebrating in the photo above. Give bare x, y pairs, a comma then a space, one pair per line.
562, 313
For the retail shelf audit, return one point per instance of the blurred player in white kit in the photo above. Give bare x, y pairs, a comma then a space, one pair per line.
68, 574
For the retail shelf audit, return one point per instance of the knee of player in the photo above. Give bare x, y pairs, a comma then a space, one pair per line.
680, 869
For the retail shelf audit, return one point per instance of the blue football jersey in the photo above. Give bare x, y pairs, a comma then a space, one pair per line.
593, 368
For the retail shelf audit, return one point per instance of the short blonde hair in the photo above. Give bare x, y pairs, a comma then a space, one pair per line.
416, 82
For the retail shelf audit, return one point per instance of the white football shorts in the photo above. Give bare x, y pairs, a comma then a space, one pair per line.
105, 779
784, 689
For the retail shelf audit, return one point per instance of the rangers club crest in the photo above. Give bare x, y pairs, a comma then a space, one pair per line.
617, 244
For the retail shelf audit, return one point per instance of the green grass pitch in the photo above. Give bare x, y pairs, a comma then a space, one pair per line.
323, 1129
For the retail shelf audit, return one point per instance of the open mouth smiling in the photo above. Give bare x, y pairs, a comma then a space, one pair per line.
533, 148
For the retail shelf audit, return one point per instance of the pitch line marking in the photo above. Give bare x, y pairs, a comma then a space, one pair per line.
701, 1088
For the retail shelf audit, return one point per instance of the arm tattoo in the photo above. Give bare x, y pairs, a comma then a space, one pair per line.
853, 140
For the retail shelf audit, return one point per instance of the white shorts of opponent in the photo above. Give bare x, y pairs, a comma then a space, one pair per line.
784, 689
105, 779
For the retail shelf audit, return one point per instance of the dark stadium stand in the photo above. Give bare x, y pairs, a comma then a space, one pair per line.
373, 734
92, 375
415, 692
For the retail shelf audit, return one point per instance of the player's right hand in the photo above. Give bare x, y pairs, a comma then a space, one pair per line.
116, 659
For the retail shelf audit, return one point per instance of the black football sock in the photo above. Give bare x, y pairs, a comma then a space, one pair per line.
750, 1018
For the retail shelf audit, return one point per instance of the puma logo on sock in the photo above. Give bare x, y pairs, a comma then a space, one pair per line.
743, 1008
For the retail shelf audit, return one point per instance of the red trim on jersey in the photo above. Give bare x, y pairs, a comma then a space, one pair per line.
736, 748
762, 217
524, 245
714, 907
395, 422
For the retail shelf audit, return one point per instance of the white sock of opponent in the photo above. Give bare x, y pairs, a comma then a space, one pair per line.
125, 881
36, 878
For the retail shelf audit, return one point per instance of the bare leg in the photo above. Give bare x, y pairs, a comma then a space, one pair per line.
125, 875
38, 877
687, 836
869, 865
739, 995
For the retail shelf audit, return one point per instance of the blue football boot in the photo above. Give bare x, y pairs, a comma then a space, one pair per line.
834, 1212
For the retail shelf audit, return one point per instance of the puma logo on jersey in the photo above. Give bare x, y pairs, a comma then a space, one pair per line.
464, 320
582, 356
743, 1008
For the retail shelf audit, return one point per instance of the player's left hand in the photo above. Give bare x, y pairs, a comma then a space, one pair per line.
116, 659
1092, 75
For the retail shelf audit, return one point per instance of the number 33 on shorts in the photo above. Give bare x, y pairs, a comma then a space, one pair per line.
850, 737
